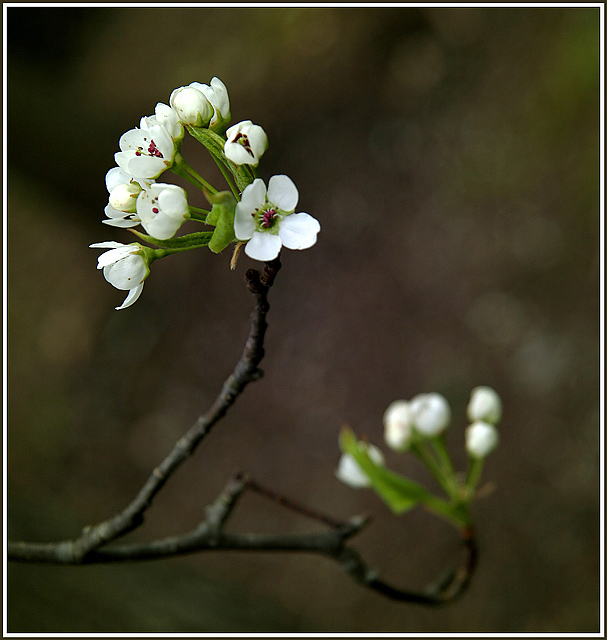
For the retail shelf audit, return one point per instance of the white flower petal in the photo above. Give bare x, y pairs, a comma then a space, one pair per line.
238, 154
283, 193
263, 246
244, 224
116, 176
172, 201
123, 223
123, 158
298, 231
162, 227
126, 273
132, 297
110, 244
147, 166
253, 197
115, 255
168, 118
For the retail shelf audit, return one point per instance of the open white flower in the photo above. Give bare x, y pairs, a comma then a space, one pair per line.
398, 425
166, 117
192, 106
162, 209
481, 439
124, 267
349, 471
146, 153
430, 413
217, 95
246, 143
124, 190
265, 218
485, 404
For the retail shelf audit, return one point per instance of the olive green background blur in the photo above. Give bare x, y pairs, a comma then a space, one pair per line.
451, 156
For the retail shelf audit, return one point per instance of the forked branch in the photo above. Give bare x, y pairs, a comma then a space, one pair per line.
93, 544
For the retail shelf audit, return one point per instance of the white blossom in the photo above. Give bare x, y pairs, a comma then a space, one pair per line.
124, 267
481, 439
265, 218
349, 471
162, 209
430, 413
246, 143
192, 106
398, 425
146, 153
217, 95
485, 404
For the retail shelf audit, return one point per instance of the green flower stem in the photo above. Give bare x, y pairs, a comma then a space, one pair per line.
438, 444
475, 469
183, 169
420, 450
200, 179
227, 177
162, 253
198, 214
456, 514
173, 245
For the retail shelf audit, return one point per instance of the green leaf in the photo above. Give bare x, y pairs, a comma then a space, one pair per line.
222, 217
399, 493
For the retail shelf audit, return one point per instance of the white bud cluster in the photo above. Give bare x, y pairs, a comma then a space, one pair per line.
426, 415
484, 412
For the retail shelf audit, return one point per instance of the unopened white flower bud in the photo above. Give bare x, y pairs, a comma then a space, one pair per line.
124, 197
398, 427
481, 439
485, 404
349, 471
191, 106
431, 413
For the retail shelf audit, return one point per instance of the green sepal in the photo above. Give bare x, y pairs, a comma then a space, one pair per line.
399, 493
189, 241
221, 217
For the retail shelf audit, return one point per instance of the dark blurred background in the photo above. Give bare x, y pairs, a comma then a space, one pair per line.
451, 156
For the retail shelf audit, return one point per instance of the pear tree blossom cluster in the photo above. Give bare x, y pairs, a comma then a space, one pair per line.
417, 426
261, 219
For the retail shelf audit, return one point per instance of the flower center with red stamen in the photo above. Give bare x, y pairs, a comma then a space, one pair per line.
154, 151
267, 219
244, 141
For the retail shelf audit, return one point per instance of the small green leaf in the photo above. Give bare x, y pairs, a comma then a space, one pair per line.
399, 493
222, 217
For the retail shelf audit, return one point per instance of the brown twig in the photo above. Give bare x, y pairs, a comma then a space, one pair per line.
245, 371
